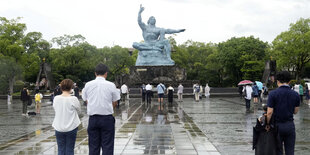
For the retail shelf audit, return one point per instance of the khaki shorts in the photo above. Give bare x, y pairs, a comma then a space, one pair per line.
38, 104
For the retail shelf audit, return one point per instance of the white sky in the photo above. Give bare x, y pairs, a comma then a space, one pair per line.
114, 22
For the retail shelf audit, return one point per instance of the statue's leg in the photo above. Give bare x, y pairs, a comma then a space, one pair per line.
142, 46
167, 48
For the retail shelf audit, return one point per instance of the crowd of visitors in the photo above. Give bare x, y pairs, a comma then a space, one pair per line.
101, 97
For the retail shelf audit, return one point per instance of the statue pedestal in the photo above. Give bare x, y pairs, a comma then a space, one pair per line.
153, 58
154, 75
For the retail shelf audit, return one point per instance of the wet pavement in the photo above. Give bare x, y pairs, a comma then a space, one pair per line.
211, 126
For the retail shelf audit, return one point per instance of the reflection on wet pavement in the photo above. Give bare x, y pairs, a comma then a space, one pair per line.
230, 128
212, 126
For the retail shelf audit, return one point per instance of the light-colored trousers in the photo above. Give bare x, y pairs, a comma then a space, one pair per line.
197, 96
180, 96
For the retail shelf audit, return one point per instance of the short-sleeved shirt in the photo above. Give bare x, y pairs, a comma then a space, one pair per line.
283, 101
148, 87
124, 89
249, 91
180, 89
100, 94
161, 89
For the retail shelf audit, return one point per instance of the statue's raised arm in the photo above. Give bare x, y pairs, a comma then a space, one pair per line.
141, 24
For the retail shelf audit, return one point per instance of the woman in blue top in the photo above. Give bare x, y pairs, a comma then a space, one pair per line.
255, 93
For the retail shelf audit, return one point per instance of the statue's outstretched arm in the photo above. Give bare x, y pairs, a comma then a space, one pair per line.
168, 31
171, 31
141, 24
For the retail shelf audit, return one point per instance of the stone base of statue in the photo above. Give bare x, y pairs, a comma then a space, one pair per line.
153, 58
153, 74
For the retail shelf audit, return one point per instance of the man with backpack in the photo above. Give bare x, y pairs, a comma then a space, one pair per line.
196, 91
160, 91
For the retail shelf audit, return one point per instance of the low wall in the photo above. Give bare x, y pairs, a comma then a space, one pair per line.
187, 92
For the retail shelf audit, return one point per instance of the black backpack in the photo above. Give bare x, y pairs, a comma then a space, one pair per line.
265, 91
197, 88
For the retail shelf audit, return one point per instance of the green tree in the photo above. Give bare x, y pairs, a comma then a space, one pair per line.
33, 42
36, 49
193, 57
11, 48
69, 40
291, 48
74, 62
216, 70
236, 53
118, 60
31, 66
10, 70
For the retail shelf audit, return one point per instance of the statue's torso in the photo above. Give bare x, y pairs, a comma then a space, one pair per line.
151, 34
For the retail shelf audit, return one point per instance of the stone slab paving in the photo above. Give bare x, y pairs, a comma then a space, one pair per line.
209, 127
229, 127
140, 129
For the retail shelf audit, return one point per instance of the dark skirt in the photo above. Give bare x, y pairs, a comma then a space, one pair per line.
170, 96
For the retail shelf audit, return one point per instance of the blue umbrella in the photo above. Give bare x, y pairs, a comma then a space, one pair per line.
259, 85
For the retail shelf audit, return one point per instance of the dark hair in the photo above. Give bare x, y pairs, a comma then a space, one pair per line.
66, 85
264, 107
283, 77
101, 69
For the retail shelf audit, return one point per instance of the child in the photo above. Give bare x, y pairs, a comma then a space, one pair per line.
263, 117
38, 99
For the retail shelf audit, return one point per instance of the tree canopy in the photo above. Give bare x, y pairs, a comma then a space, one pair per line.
291, 48
219, 64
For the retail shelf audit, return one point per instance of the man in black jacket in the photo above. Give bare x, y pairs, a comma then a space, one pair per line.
24, 96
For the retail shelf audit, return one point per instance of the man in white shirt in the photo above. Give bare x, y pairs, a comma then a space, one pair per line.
101, 96
149, 92
248, 96
180, 93
124, 90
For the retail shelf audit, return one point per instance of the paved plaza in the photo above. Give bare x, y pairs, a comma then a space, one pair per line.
212, 126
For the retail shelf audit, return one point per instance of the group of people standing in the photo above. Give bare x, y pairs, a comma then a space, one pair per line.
302, 91
256, 92
101, 98
27, 100
198, 91
147, 92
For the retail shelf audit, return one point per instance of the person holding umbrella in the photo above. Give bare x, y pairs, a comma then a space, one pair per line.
247, 90
260, 88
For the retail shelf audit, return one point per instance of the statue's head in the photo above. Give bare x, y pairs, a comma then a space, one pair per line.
151, 20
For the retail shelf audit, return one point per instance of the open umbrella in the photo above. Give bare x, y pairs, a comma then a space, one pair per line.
245, 82
259, 85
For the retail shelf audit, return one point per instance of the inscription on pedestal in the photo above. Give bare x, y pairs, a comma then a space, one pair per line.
141, 70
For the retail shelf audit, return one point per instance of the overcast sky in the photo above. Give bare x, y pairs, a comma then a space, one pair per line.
114, 22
